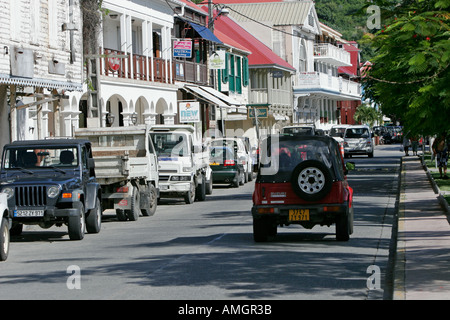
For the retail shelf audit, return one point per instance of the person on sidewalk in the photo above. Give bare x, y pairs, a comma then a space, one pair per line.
440, 151
406, 143
414, 144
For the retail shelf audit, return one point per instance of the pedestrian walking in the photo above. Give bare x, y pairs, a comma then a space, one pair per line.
414, 144
440, 151
406, 144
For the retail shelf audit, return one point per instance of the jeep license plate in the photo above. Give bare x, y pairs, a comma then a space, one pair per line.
28, 213
299, 215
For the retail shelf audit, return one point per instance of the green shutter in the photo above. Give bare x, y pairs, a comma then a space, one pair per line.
225, 71
245, 71
238, 79
231, 75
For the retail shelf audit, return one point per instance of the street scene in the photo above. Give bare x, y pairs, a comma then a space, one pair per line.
206, 251
241, 150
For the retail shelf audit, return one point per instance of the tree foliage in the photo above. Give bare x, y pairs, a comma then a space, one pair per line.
366, 114
409, 76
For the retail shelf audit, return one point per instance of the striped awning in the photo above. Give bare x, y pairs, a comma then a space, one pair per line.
41, 83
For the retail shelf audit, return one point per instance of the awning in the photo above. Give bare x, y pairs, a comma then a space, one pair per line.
204, 32
44, 83
204, 95
217, 98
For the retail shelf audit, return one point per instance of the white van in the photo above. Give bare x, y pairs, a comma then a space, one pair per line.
358, 140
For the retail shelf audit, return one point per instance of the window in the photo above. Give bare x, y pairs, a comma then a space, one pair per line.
302, 57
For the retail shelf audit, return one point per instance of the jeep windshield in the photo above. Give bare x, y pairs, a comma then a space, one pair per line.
32, 157
281, 154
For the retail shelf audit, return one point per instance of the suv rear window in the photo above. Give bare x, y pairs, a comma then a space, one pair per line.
356, 133
280, 156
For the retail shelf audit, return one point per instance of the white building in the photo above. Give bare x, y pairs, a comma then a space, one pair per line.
292, 30
134, 68
40, 62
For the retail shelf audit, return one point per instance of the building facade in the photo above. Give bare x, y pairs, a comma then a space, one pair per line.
292, 30
40, 63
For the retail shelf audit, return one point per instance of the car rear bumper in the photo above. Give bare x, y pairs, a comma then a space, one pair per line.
306, 215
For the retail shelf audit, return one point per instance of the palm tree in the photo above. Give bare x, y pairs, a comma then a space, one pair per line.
365, 114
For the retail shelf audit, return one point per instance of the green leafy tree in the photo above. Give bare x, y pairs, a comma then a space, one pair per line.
409, 76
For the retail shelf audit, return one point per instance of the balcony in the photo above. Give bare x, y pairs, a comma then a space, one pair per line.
137, 67
331, 54
192, 72
337, 87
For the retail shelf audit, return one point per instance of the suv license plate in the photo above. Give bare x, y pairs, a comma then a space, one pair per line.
299, 215
28, 213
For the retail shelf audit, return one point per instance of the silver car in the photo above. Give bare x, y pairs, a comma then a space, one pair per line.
358, 141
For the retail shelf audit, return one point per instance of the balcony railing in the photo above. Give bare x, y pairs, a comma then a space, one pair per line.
137, 67
318, 80
192, 72
331, 54
270, 96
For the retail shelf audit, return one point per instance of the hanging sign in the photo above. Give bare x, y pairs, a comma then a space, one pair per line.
182, 48
189, 111
114, 63
217, 60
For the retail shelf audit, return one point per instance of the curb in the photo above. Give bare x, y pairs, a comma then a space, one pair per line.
444, 204
400, 261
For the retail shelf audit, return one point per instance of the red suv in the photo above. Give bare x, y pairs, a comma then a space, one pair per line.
301, 180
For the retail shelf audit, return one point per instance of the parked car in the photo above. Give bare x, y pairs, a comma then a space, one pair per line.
358, 141
337, 132
301, 181
250, 159
4, 227
237, 146
52, 182
225, 166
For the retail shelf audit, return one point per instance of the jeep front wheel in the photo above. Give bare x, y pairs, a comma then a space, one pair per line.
94, 219
311, 180
77, 225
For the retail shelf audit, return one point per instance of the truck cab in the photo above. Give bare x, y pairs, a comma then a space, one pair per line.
182, 162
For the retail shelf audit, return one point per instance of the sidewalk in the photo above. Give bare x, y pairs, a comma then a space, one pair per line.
422, 268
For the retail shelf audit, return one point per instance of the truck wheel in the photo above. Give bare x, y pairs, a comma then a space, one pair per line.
94, 219
77, 225
153, 202
200, 191
133, 214
189, 197
4, 239
209, 186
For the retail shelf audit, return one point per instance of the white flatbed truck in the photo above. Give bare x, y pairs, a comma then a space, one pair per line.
126, 167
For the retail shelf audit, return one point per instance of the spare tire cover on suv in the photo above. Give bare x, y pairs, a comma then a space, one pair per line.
311, 180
